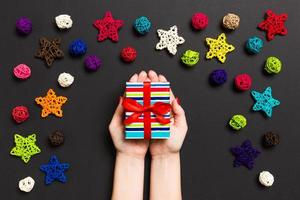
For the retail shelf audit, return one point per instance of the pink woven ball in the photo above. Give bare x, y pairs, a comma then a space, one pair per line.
199, 21
22, 71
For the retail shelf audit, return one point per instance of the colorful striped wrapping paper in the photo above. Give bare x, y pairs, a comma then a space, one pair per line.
159, 92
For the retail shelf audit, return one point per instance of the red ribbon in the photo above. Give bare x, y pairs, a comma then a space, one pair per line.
159, 109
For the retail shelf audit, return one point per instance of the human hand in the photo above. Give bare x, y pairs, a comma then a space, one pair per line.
171, 146
135, 148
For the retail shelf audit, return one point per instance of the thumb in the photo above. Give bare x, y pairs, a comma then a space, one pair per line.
179, 114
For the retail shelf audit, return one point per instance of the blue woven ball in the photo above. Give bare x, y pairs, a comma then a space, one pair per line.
254, 45
77, 48
218, 77
142, 25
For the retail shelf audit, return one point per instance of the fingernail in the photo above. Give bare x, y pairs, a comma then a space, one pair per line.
178, 100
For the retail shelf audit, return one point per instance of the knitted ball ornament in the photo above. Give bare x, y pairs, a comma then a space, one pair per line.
65, 79
199, 21
273, 65
238, 122
218, 77
92, 63
142, 25
243, 82
56, 138
271, 139
20, 114
78, 48
266, 178
254, 45
231, 21
22, 71
24, 26
26, 184
128, 54
190, 58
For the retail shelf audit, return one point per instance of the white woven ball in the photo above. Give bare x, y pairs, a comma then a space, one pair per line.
266, 178
64, 21
65, 79
26, 184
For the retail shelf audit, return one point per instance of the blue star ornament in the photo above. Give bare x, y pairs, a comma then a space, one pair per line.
264, 101
244, 155
54, 170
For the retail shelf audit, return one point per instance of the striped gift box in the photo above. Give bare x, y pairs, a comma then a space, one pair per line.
159, 92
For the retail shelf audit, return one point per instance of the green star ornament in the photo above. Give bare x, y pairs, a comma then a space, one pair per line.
25, 147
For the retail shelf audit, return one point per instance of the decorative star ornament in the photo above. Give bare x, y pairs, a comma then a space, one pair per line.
244, 155
49, 50
218, 48
169, 39
264, 101
54, 170
274, 24
51, 104
108, 27
25, 147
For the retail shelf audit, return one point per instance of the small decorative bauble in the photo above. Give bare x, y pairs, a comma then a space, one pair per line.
254, 45
142, 25
238, 122
266, 178
65, 79
24, 26
190, 58
273, 65
26, 184
128, 54
218, 77
199, 21
231, 21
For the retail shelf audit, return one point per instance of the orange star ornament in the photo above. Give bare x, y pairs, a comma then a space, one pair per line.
51, 104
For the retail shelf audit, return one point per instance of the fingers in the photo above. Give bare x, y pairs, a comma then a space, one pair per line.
134, 78
153, 76
162, 78
179, 115
142, 76
118, 116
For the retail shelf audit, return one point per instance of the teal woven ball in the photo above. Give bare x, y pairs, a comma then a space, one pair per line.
254, 45
142, 25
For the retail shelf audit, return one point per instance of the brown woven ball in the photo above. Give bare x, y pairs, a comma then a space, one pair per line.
271, 139
56, 138
231, 21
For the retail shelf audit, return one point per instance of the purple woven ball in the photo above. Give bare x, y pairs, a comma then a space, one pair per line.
24, 26
92, 63
218, 77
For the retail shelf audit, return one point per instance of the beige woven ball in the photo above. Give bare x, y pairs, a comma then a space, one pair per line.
231, 21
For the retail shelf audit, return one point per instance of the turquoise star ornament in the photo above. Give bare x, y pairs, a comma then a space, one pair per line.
264, 101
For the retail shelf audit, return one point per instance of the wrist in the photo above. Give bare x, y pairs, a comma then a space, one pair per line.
130, 156
166, 156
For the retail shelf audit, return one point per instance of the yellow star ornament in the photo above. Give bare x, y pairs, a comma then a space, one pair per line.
218, 48
51, 104
25, 147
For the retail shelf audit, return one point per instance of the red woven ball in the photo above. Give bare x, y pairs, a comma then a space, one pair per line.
199, 21
243, 82
20, 114
128, 54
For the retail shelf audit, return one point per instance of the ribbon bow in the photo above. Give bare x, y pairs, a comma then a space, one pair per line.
159, 109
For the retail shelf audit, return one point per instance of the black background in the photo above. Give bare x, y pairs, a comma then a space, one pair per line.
207, 171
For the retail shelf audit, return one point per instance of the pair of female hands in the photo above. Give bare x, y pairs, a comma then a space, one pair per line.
139, 148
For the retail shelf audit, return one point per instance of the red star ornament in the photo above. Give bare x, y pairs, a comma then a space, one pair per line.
108, 27
274, 24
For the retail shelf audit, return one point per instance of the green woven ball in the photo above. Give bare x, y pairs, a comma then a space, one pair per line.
190, 58
238, 122
273, 65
